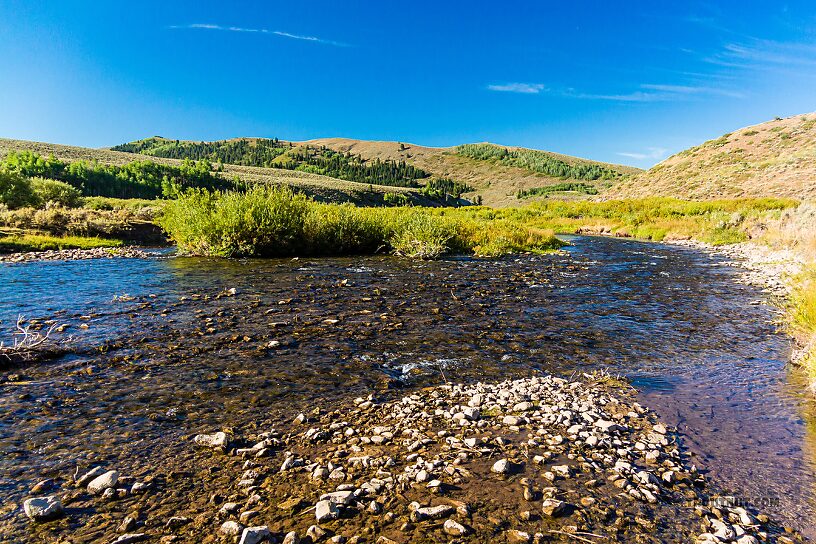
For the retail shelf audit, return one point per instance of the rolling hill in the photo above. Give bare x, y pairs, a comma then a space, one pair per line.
776, 158
496, 182
320, 187
492, 174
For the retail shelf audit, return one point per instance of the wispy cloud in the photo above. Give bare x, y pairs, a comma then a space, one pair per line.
209, 26
658, 92
762, 54
693, 90
522, 88
653, 153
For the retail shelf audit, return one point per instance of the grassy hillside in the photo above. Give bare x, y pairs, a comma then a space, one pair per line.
776, 158
497, 182
322, 188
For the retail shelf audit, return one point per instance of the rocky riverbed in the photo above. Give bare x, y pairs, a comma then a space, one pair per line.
132, 252
538, 459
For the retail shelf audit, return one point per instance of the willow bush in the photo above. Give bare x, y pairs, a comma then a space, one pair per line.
276, 222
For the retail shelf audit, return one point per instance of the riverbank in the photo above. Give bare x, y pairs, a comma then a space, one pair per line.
540, 459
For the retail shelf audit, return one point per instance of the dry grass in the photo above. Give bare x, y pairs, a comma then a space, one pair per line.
776, 158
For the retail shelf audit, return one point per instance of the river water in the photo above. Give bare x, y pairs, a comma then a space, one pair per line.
163, 349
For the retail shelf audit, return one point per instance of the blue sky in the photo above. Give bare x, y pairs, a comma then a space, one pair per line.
628, 83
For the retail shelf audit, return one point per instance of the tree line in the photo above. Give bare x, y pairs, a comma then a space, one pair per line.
576, 187
274, 153
540, 162
137, 179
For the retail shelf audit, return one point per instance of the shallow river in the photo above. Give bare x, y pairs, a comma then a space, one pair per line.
179, 354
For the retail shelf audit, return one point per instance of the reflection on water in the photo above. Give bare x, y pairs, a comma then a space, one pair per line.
185, 356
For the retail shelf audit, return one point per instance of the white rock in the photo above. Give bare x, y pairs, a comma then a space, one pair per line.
231, 528
43, 508
254, 535
502, 466
722, 530
216, 440
326, 511
433, 512
103, 482
90, 475
454, 528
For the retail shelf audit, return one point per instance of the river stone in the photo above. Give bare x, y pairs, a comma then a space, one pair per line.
722, 530
659, 428
291, 538
555, 508
514, 536
502, 466
139, 487
216, 440
316, 533
326, 511
254, 535
43, 508
130, 538
90, 475
432, 512
608, 426
103, 482
454, 528
231, 528
339, 497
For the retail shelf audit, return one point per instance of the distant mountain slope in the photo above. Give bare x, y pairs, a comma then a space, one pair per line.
496, 181
776, 158
495, 175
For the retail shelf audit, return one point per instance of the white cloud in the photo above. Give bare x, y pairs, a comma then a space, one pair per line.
653, 153
209, 26
522, 88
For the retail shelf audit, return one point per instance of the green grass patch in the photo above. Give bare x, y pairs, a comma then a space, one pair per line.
38, 242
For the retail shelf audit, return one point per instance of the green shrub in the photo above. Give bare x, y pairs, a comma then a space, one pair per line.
395, 199
269, 221
15, 189
422, 236
262, 221
57, 192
